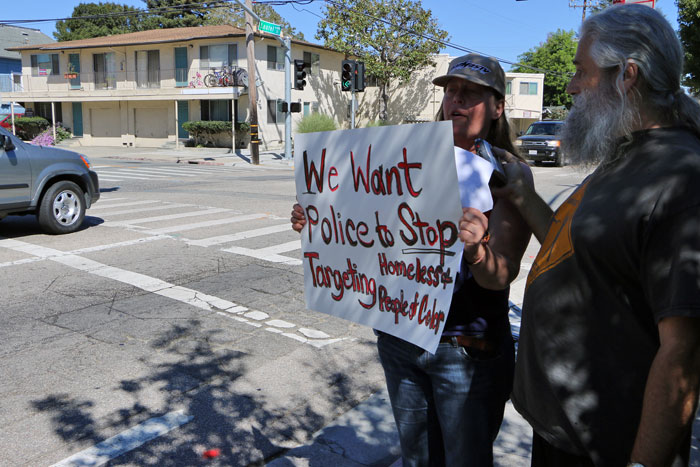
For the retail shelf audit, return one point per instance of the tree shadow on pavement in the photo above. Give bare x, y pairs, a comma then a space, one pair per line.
185, 369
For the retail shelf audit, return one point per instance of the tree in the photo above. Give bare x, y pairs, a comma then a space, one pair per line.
73, 29
177, 13
689, 32
389, 36
555, 57
234, 14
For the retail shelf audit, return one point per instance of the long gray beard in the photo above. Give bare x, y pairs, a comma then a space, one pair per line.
595, 126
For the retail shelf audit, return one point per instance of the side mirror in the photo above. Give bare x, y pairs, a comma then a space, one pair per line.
7, 143
520, 133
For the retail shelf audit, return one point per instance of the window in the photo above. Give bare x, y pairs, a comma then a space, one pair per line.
44, 64
509, 87
310, 107
148, 69
275, 58
528, 88
105, 68
218, 110
371, 81
218, 56
274, 110
312, 64
43, 109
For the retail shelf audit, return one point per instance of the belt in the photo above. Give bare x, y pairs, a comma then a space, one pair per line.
472, 342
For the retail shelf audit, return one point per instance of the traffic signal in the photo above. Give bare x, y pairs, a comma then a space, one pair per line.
347, 75
360, 77
299, 75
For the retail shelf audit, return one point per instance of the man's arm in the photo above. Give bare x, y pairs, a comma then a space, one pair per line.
521, 193
671, 393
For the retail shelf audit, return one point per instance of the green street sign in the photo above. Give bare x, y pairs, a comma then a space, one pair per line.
271, 28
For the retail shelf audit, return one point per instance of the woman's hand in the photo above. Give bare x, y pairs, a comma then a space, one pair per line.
473, 231
298, 218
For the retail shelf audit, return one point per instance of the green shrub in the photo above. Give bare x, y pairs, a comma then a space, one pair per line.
29, 128
202, 132
316, 122
62, 133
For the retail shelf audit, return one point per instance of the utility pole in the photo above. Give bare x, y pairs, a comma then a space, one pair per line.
288, 98
252, 89
583, 4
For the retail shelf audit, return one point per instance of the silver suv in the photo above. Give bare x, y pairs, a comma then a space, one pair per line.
55, 184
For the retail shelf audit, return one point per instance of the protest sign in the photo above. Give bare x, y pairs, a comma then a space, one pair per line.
381, 244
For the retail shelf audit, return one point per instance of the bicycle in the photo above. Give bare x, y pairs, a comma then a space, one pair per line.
217, 78
196, 81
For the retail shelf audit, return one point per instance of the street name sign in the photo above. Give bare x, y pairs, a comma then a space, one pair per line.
271, 28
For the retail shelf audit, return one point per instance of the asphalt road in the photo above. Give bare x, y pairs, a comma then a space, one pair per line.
175, 320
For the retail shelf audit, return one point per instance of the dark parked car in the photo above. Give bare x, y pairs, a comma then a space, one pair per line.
54, 184
541, 142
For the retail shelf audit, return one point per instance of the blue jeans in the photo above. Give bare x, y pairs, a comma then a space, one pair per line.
449, 406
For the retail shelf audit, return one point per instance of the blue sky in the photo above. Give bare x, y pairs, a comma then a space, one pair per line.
501, 28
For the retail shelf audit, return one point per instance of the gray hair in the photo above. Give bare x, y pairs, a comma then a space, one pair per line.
640, 34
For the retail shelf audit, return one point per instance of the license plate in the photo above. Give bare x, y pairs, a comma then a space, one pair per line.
532, 152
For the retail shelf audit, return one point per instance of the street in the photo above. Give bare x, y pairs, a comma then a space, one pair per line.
179, 305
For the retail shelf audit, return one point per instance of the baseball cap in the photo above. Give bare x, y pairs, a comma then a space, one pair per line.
477, 69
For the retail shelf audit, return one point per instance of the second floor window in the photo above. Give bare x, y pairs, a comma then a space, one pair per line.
217, 56
148, 68
529, 89
509, 87
275, 58
312, 64
44, 64
105, 68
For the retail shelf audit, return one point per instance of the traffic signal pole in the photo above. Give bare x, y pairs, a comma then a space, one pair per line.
288, 98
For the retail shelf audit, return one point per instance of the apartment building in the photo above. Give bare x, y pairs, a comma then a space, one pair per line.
137, 89
419, 99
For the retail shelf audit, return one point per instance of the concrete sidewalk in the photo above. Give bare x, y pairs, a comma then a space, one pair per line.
366, 436
183, 155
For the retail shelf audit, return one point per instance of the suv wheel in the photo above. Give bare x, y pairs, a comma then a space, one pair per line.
62, 208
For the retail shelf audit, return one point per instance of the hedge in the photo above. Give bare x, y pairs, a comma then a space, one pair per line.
28, 128
203, 131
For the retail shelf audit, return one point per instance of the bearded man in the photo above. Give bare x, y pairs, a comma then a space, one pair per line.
608, 364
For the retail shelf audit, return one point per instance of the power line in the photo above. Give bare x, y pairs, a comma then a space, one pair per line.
222, 3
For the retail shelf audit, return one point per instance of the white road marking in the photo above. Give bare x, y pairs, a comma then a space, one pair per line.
270, 253
145, 220
240, 235
117, 174
138, 172
129, 203
178, 172
151, 284
199, 225
154, 208
126, 440
107, 199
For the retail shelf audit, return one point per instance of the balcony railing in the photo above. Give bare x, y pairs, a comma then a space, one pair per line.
11, 82
127, 80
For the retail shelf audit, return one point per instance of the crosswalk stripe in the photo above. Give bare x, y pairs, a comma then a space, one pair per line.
152, 208
129, 177
145, 220
240, 235
178, 172
271, 253
140, 172
130, 203
198, 225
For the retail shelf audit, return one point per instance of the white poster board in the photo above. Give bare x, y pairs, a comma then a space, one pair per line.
381, 245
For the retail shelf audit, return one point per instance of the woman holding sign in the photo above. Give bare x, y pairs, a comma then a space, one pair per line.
448, 406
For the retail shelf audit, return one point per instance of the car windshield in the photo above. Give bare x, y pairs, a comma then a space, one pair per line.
543, 129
